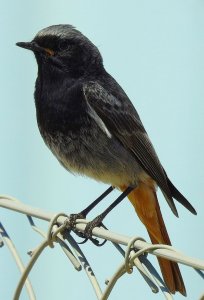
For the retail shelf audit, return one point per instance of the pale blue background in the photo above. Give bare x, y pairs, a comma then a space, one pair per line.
155, 50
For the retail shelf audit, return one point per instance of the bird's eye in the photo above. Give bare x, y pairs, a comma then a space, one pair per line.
64, 45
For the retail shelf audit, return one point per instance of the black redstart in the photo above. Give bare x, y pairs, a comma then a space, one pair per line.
91, 126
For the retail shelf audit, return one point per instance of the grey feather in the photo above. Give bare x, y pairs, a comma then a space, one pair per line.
128, 129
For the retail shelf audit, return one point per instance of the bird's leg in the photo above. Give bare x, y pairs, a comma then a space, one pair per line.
98, 220
84, 212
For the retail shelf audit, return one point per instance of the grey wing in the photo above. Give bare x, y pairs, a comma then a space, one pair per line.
122, 121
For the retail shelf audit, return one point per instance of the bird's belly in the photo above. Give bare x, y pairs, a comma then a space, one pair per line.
95, 155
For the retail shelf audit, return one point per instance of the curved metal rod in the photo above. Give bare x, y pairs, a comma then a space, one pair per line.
19, 263
103, 233
138, 264
60, 224
27, 270
85, 264
112, 281
49, 241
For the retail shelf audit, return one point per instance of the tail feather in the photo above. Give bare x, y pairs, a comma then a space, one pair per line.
146, 205
171, 273
170, 270
180, 198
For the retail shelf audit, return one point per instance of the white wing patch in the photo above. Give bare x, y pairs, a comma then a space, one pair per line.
98, 120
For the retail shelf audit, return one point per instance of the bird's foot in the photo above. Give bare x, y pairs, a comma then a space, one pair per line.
72, 225
97, 222
74, 217
87, 235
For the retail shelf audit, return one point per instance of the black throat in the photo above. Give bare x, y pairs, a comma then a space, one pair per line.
59, 102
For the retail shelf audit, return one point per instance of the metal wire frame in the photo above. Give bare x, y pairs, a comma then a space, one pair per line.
135, 254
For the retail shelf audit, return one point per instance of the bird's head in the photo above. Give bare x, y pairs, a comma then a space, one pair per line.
64, 49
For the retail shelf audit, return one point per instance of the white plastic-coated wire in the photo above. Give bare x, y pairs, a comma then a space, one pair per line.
25, 273
86, 265
60, 240
135, 253
128, 267
146, 273
19, 263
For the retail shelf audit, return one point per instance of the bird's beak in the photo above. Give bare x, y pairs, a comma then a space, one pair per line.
30, 46
34, 47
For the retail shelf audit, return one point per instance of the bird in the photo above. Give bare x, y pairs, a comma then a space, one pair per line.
88, 122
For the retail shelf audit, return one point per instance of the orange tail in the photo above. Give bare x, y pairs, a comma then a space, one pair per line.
146, 205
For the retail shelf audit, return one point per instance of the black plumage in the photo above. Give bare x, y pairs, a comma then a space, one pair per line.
85, 117
91, 126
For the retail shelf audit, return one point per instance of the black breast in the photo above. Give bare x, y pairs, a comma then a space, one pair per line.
60, 107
